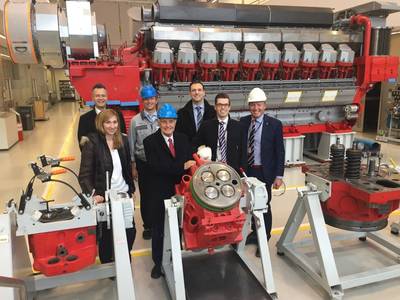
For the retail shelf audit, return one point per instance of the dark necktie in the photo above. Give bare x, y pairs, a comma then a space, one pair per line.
250, 147
199, 117
171, 147
222, 141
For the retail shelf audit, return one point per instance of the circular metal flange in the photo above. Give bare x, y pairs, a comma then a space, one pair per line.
216, 186
357, 226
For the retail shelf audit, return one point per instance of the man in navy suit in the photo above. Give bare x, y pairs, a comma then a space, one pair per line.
223, 135
168, 155
265, 151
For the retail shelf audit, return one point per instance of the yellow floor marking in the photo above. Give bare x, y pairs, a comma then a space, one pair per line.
48, 192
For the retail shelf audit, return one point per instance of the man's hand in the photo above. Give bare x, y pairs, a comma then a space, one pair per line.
98, 199
134, 173
188, 164
277, 183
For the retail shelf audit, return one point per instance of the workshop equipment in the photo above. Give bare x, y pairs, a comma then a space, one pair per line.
212, 213
62, 237
345, 197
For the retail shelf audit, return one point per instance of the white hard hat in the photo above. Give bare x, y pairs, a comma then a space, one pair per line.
256, 95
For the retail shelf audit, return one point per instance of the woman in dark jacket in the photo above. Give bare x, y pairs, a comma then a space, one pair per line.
107, 150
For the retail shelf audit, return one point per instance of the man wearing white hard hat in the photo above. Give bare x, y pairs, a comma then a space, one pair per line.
265, 151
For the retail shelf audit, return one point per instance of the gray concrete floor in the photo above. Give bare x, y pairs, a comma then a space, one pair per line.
57, 136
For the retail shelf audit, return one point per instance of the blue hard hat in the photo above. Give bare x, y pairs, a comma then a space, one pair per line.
167, 111
148, 91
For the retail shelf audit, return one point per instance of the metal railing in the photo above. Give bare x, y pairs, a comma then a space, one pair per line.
14, 283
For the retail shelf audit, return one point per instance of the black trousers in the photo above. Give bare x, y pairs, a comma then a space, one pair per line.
257, 172
105, 242
145, 186
157, 239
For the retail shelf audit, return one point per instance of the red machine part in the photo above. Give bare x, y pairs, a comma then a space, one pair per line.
371, 69
269, 70
205, 229
63, 251
352, 204
208, 71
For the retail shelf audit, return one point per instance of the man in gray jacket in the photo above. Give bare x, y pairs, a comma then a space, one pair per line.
142, 125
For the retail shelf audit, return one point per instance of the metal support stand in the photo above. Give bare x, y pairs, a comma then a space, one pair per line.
254, 205
172, 256
326, 273
123, 269
15, 262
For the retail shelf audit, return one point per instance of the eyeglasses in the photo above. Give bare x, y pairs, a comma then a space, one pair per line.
222, 105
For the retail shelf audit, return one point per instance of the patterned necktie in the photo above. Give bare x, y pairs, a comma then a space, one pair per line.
171, 147
222, 141
199, 117
250, 146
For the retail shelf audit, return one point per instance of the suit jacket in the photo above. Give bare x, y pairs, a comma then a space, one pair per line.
87, 124
165, 170
236, 154
272, 148
186, 122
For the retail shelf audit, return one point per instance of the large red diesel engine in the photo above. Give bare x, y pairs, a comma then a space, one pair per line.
315, 65
211, 214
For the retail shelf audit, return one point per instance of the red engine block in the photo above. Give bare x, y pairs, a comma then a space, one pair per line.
354, 208
206, 229
63, 251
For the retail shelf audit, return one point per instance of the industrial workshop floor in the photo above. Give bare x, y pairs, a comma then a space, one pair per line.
57, 137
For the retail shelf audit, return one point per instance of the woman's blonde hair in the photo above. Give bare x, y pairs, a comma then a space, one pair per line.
103, 117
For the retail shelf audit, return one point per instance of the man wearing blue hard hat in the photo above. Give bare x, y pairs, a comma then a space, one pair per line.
168, 154
142, 125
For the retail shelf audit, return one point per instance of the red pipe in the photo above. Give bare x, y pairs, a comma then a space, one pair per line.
366, 22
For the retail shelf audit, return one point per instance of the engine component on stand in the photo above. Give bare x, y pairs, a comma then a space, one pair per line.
271, 61
362, 205
212, 216
353, 162
336, 167
213, 206
62, 237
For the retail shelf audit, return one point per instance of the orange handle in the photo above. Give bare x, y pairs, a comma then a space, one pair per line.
58, 171
67, 158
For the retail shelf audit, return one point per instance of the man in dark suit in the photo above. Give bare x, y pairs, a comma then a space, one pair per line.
223, 135
265, 151
87, 120
195, 111
168, 155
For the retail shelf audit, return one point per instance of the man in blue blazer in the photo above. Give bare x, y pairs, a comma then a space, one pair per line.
265, 151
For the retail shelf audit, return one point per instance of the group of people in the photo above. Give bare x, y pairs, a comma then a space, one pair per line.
158, 150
